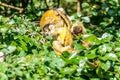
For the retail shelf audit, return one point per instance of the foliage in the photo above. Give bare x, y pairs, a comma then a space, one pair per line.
30, 55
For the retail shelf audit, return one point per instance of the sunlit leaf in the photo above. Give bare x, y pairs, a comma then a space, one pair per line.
107, 37
85, 5
86, 19
91, 56
110, 56
104, 48
82, 62
90, 38
11, 49
105, 66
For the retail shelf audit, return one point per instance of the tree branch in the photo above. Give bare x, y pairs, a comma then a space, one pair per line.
13, 7
78, 6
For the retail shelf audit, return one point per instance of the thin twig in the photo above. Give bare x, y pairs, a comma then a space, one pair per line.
78, 6
13, 7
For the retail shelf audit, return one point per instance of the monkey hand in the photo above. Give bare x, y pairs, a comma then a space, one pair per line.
59, 48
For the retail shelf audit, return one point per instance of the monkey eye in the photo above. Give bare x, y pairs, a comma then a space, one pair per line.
46, 27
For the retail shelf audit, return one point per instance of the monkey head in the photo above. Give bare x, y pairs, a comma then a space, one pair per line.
52, 30
78, 28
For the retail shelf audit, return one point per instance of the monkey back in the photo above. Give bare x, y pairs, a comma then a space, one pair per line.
49, 17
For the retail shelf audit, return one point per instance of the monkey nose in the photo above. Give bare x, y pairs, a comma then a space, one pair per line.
47, 34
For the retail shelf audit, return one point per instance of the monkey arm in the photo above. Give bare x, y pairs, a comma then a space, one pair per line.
59, 48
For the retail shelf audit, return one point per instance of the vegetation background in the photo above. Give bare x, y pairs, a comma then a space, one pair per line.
30, 55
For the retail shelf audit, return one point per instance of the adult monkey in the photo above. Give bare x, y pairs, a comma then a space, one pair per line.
59, 18
54, 22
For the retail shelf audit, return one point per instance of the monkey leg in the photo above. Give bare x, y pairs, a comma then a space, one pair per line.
59, 48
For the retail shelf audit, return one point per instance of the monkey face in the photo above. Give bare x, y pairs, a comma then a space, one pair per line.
78, 28
50, 30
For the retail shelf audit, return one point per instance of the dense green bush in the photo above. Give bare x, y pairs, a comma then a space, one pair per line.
30, 55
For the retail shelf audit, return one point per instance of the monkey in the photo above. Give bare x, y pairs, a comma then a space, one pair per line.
77, 28
64, 17
63, 42
55, 23
2, 57
63, 38
55, 16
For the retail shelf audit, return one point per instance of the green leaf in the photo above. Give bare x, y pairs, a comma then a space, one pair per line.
69, 70
117, 48
107, 37
112, 56
111, 12
102, 49
105, 66
90, 38
10, 73
23, 45
11, 49
3, 76
94, 78
118, 54
34, 51
117, 68
78, 47
109, 56
85, 5
57, 63
82, 63
3, 67
104, 24
86, 19
3, 29
18, 72
91, 56
70, 1
22, 53
2, 7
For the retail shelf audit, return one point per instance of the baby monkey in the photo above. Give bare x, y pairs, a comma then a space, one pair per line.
78, 28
